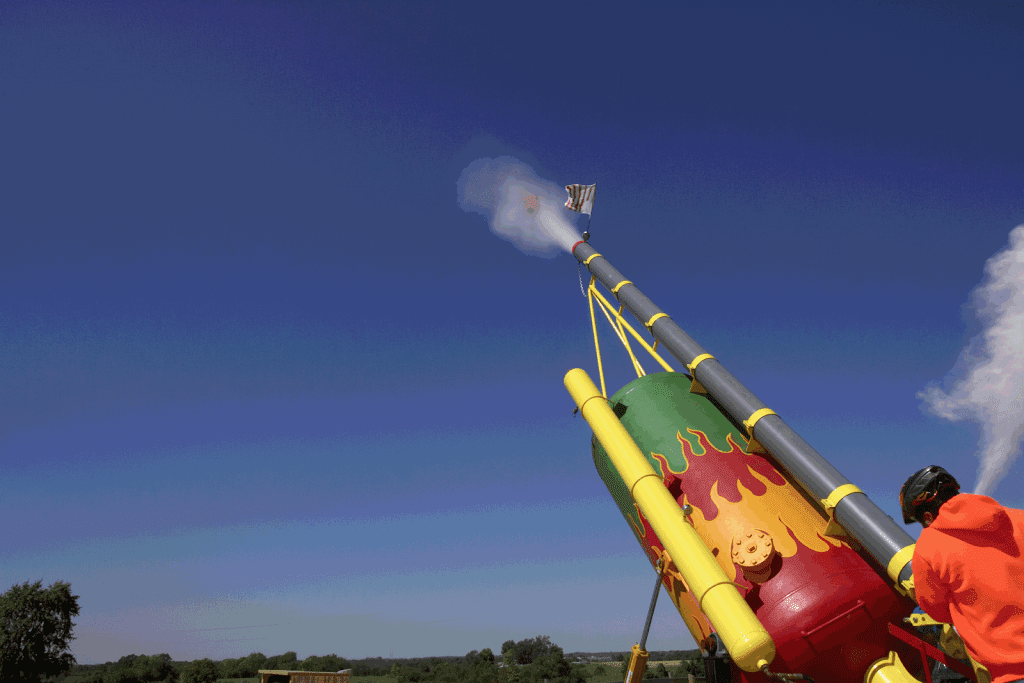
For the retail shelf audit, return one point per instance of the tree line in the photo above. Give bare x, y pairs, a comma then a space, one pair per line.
528, 661
161, 669
532, 660
36, 630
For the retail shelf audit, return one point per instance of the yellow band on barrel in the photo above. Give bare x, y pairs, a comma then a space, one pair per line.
757, 415
899, 561
830, 502
698, 360
654, 317
590, 258
615, 289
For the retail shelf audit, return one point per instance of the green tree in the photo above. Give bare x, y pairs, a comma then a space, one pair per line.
229, 668
404, 674
550, 666
249, 666
331, 662
35, 631
200, 671
510, 673
142, 669
447, 671
289, 660
90, 675
525, 651
695, 666
121, 674
689, 665
484, 669
161, 669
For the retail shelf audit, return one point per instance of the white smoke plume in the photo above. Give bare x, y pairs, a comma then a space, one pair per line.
520, 207
987, 381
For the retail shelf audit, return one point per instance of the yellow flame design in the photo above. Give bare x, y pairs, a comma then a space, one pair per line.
778, 512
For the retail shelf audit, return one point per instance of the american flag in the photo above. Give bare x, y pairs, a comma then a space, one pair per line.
581, 198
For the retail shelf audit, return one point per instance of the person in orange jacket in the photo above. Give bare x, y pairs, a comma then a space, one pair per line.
969, 568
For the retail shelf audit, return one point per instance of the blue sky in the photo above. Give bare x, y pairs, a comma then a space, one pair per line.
266, 387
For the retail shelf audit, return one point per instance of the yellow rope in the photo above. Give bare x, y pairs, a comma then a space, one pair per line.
620, 326
636, 335
593, 324
640, 372
620, 334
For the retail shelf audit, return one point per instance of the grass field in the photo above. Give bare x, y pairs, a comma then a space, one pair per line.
612, 672
597, 672
354, 679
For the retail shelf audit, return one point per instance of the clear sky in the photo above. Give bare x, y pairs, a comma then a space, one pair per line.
264, 386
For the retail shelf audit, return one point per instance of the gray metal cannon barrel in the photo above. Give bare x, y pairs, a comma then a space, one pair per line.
877, 532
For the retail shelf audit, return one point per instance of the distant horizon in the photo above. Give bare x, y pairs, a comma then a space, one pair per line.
497, 654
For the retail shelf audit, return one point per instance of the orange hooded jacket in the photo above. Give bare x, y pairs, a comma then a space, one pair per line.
969, 571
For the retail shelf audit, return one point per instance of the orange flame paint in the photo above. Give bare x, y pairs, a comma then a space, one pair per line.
732, 468
733, 493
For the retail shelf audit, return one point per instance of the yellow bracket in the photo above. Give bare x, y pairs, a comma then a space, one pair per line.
898, 562
907, 588
616, 288
591, 258
952, 644
695, 386
830, 502
753, 445
888, 670
654, 318
922, 620
675, 575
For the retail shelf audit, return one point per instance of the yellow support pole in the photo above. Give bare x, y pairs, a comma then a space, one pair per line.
749, 645
637, 664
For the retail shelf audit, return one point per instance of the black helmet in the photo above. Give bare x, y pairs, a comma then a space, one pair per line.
924, 487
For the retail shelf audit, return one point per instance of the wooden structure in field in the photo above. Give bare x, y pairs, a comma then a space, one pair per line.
286, 676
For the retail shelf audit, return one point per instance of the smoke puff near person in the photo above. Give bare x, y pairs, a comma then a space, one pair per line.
987, 381
519, 206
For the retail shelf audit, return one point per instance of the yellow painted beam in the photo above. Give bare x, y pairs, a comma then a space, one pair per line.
749, 645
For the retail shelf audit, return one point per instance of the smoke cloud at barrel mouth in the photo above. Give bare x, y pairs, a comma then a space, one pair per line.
519, 206
987, 381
